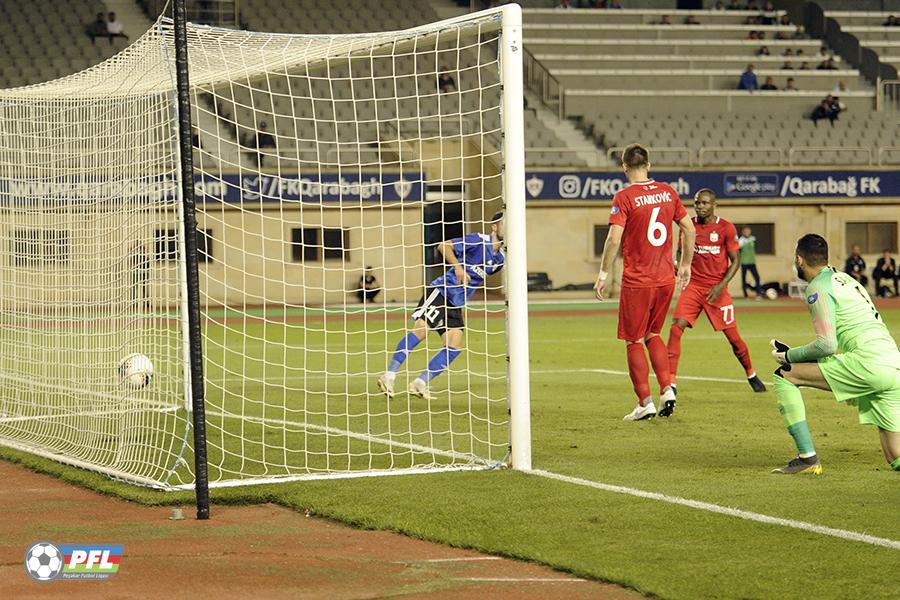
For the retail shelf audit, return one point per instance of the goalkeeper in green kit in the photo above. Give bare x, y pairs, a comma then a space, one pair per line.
853, 356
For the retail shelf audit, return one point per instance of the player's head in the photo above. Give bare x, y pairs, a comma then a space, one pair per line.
855, 250
497, 225
705, 203
746, 231
636, 162
811, 255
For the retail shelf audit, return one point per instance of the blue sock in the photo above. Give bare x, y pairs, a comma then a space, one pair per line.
403, 349
439, 363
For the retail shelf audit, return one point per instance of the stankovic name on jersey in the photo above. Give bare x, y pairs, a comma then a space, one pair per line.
659, 198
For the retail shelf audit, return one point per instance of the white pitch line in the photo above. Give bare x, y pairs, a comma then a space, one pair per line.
724, 510
625, 374
456, 559
522, 579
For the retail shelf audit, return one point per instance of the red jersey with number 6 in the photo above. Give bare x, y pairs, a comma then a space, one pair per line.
647, 210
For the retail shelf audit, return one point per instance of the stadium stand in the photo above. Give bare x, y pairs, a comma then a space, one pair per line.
42, 42
604, 63
873, 32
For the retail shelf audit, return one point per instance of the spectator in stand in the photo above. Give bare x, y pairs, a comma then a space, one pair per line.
763, 51
788, 52
788, 65
664, 20
752, 20
114, 27
784, 20
790, 87
613, 4
804, 66
748, 80
840, 88
565, 4
829, 109
891, 22
446, 83
827, 65
769, 85
855, 266
747, 250
885, 269
769, 14
97, 29
799, 52
691, 20
823, 52
368, 286
719, 5
751, 5
735, 5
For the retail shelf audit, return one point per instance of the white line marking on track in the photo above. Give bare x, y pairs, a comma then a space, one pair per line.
724, 510
625, 374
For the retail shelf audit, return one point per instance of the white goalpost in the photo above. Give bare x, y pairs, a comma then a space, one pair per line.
315, 157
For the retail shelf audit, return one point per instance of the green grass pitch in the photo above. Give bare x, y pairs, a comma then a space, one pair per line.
718, 448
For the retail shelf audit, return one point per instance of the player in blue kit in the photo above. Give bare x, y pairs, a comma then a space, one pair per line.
471, 259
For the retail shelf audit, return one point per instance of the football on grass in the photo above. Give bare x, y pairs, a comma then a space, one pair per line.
135, 371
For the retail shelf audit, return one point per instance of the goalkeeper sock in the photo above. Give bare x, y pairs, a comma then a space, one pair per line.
439, 363
790, 405
403, 349
896, 464
674, 348
659, 358
639, 370
739, 347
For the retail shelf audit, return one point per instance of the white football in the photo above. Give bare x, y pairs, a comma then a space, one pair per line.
135, 371
771, 293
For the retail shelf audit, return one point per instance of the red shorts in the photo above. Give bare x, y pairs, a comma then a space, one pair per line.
692, 302
642, 311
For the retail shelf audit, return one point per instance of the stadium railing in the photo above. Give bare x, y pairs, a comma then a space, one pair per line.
539, 80
819, 150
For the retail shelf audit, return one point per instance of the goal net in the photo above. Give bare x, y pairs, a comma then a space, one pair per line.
316, 157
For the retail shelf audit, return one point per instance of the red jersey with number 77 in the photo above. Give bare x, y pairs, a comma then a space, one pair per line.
714, 241
647, 210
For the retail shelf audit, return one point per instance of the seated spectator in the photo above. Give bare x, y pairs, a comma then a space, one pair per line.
840, 88
784, 20
804, 66
855, 266
752, 20
823, 52
97, 28
788, 52
829, 109
790, 87
664, 20
769, 85
799, 52
114, 27
763, 51
891, 22
769, 14
788, 64
719, 5
885, 270
446, 83
827, 65
691, 20
748, 80
368, 286
613, 4
565, 4
735, 5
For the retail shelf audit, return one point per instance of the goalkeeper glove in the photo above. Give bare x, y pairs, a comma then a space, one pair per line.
779, 352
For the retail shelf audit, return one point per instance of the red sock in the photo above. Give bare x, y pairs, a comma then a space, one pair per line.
659, 358
739, 347
639, 370
675, 334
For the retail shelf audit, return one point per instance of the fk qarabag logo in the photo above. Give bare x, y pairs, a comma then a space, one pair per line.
43, 561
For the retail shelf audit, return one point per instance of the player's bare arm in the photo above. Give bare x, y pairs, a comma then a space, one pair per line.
716, 290
610, 250
449, 254
688, 235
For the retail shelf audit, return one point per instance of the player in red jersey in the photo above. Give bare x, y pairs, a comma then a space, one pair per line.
641, 221
715, 263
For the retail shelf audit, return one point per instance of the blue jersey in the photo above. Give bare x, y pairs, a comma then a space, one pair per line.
475, 252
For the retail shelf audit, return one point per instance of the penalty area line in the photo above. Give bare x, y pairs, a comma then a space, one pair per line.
625, 374
724, 510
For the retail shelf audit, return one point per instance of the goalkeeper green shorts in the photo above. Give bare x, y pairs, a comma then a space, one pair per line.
872, 387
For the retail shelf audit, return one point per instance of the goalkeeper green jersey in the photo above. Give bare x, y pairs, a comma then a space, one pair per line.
846, 321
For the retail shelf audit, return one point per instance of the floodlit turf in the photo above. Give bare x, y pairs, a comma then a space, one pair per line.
719, 448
